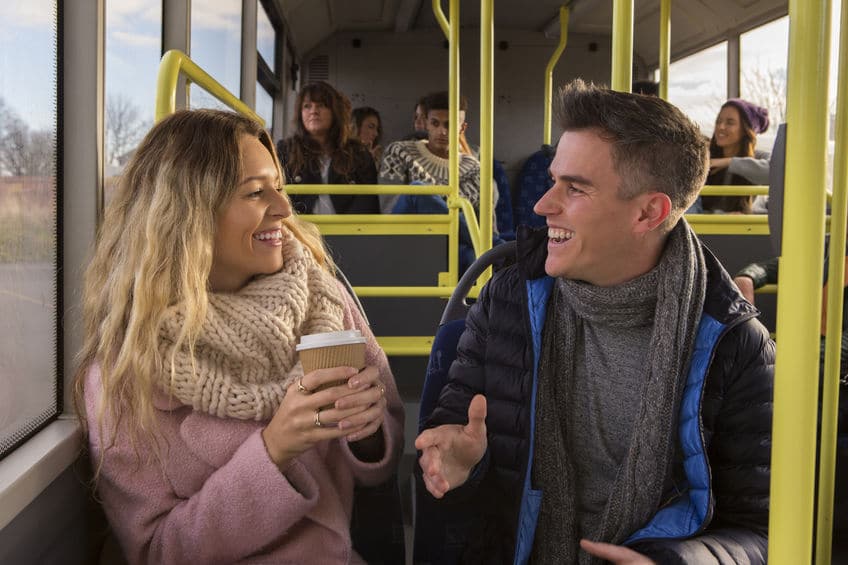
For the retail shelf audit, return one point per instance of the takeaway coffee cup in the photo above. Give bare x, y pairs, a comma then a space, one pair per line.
332, 349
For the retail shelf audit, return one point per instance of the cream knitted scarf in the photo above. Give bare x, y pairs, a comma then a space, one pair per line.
245, 358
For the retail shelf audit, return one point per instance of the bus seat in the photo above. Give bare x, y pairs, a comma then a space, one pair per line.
503, 209
533, 181
376, 526
441, 526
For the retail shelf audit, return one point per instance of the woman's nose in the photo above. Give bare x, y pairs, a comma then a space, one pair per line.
281, 207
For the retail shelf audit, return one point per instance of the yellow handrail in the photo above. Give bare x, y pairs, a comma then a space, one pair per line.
440, 189
734, 190
175, 61
453, 143
799, 301
487, 73
549, 72
835, 277
470, 220
441, 19
665, 46
622, 45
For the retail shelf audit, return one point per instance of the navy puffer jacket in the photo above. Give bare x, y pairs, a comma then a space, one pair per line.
727, 509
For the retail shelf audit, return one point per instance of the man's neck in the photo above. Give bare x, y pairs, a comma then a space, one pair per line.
443, 154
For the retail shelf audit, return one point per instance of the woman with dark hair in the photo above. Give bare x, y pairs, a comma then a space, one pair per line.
322, 151
368, 129
733, 157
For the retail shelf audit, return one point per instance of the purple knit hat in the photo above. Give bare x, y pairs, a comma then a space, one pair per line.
756, 116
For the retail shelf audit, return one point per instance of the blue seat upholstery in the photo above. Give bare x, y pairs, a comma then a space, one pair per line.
441, 527
503, 210
533, 181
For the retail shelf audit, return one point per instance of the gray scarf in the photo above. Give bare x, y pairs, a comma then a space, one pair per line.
635, 494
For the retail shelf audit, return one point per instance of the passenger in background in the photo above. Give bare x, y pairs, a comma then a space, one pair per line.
368, 129
323, 151
733, 157
426, 161
611, 396
758, 274
209, 443
419, 122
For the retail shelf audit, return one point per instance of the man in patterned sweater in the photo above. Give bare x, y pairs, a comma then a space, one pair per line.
425, 161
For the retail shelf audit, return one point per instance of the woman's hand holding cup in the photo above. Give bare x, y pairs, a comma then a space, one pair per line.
333, 399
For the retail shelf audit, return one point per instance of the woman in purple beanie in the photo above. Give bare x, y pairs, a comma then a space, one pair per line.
733, 157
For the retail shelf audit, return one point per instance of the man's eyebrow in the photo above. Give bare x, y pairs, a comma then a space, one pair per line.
576, 179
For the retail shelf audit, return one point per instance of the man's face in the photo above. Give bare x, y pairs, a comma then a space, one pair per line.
438, 122
590, 227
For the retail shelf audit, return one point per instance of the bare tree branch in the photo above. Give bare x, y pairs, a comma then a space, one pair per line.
124, 127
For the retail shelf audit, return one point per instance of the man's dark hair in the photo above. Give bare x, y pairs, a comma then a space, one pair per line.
441, 101
655, 147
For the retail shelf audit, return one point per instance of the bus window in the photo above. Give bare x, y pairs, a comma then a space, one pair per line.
216, 46
133, 43
28, 212
698, 85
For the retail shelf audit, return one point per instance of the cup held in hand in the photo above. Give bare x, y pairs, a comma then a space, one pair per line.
332, 349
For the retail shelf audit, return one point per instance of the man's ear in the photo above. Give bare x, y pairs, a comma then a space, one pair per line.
653, 210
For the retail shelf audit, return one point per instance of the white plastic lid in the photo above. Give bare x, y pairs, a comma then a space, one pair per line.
326, 339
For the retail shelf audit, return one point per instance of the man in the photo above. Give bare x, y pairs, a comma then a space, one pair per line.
426, 161
611, 398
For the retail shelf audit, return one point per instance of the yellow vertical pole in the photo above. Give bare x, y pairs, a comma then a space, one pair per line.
549, 72
487, 70
451, 31
665, 46
799, 301
622, 45
453, 147
836, 280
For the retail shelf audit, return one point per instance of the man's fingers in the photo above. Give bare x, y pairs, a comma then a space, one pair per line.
425, 439
617, 554
477, 415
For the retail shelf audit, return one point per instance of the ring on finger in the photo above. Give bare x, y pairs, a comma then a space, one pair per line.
300, 386
318, 423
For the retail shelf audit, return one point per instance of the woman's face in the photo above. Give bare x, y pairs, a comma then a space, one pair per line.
728, 128
317, 118
368, 130
248, 231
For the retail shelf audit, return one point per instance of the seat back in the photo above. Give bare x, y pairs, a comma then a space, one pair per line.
441, 527
503, 209
533, 181
376, 525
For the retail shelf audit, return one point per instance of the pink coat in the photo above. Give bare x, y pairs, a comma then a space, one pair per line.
218, 498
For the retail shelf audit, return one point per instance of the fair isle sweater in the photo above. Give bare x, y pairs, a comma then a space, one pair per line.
411, 162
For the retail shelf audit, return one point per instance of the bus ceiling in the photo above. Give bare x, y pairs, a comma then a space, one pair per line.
695, 24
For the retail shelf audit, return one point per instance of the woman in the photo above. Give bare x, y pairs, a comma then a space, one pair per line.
322, 151
368, 129
733, 157
208, 441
